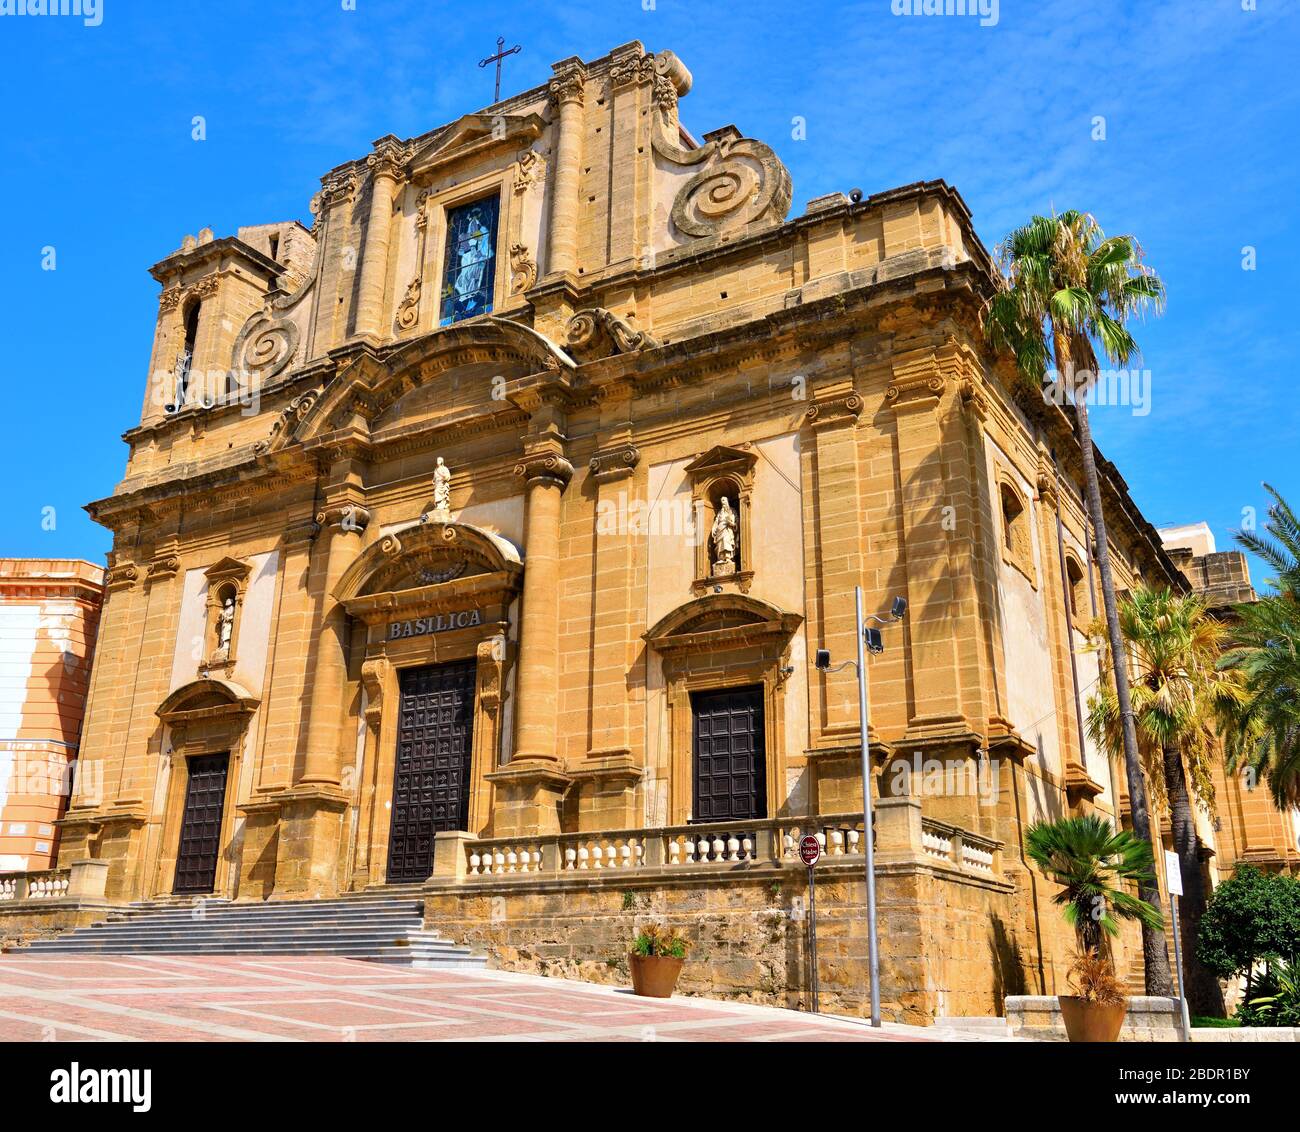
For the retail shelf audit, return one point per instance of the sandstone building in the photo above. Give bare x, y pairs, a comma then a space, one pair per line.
478, 539
49, 610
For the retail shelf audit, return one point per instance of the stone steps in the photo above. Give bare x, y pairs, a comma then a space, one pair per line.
368, 926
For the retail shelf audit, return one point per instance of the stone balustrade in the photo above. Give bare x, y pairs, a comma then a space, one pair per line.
50, 884
82, 880
716, 846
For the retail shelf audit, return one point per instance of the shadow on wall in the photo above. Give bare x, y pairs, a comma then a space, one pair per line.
1008, 968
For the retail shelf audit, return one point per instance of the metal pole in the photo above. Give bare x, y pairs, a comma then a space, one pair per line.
812, 933
1178, 960
868, 829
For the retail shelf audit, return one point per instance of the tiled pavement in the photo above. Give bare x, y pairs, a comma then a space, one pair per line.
320, 999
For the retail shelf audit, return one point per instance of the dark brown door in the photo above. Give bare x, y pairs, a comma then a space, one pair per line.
730, 770
200, 844
431, 778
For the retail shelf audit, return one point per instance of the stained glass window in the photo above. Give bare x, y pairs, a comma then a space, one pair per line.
470, 265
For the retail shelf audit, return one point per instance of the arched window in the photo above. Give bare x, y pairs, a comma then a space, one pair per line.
185, 359
1017, 545
1077, 594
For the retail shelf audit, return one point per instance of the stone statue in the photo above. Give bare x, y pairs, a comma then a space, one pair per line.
441, 488
723, 539
225, 625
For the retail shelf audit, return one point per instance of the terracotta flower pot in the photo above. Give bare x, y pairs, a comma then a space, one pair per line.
654, 976
1092, 1021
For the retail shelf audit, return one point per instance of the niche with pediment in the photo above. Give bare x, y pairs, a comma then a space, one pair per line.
227, 587
723, 549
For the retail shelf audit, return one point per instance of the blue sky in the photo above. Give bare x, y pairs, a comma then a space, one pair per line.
1199, 160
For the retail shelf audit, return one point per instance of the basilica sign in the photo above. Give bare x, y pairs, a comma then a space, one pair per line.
462, 619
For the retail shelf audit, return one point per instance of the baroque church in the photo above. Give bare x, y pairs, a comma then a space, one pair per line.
477, 540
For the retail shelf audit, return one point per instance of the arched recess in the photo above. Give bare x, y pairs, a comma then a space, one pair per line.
365, 389
208, 716
726, 640
429, 593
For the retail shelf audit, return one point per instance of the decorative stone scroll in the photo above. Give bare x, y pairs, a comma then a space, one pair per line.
597, 333
740, 181
265, 347
298, 408
523, 269
408, 313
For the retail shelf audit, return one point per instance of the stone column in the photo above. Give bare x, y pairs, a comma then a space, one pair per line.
537, 700
341, 525
566, 93
528, 791
387, 167
607, 778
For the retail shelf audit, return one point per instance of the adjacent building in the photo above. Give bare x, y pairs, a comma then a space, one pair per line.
49, 611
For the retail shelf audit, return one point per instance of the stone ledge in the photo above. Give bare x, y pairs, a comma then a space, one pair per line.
1149, 1019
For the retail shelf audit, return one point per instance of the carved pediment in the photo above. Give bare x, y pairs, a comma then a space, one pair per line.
426, 567
722, 621
472, 135
719, 459
426, 554
207, 698
226, 570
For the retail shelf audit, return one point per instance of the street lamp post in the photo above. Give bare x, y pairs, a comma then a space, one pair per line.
869, 640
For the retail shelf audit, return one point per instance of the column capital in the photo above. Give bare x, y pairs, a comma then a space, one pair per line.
346, 517
568, 85
545, 467
614, 463
389, 159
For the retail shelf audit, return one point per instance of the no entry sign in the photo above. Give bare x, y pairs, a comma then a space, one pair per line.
810, 849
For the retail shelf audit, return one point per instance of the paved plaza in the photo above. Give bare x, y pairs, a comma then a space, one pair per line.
321, 999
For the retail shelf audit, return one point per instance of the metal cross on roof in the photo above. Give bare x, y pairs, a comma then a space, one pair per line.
501, 54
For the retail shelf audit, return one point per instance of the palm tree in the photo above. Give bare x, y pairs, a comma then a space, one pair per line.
1263, 733
1065, 284
1092, 862
1178, 693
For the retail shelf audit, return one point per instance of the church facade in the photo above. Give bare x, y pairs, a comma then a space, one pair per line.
478, 540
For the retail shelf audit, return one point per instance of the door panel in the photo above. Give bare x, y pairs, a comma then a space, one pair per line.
200, 840
431, 779
730, 772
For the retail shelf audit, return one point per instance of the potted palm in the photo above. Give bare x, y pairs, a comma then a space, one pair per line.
1091, 861
656, 960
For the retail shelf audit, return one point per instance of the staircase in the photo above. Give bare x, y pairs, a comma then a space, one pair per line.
381, 928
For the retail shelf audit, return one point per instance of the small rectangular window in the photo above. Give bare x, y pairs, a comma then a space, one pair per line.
469, 269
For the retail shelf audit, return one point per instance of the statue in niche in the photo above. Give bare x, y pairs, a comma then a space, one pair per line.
722, 538
441, 488
225, 625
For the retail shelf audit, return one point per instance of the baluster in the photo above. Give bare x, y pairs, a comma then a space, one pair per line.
747, 849
498, 863
512, 861
733, 848
583, 856
787, 842
702, 849
719, 847
597, 856
837, 843
675, 852
570, 857
626, 854
475, 863
854, 837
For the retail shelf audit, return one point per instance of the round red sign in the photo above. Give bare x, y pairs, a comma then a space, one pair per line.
810, 849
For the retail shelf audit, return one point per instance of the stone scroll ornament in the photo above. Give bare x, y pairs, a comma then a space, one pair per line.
739, 181
595, 332
265, 347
